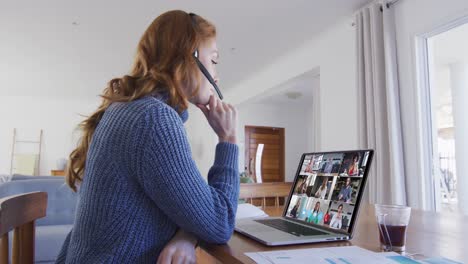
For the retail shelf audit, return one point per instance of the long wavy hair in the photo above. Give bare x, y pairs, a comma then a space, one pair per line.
163, 64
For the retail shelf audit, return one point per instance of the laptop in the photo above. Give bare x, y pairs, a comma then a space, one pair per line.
323, 203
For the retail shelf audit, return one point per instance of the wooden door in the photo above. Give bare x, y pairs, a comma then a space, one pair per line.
272, 161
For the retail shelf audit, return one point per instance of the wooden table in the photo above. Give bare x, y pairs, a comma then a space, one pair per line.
430, 234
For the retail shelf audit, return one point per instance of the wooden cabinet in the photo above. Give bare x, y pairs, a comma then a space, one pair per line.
57, 172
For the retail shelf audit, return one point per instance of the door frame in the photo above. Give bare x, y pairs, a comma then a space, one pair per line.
282, 146
428, 132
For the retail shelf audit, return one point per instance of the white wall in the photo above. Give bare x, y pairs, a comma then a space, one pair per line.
292, 118
333, 51
57, 117
202, 140
414, 18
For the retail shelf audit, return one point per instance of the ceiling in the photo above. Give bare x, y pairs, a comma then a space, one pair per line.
73, 48
297, 91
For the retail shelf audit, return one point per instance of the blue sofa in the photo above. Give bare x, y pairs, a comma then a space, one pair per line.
20, 177
61, 204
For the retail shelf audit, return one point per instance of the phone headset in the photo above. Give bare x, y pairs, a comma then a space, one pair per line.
202, 68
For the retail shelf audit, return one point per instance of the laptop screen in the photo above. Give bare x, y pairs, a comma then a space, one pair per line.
328, 188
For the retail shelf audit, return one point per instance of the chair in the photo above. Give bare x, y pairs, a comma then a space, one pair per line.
19, 213
51, 230
264, 191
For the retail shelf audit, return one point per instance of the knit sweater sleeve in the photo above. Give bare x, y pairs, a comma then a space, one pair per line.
170, 177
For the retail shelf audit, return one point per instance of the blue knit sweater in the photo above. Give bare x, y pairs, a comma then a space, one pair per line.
141, 185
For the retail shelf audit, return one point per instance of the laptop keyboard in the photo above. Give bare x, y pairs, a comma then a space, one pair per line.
291, 228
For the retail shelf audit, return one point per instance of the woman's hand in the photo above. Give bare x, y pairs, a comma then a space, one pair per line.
180, 250
222, 117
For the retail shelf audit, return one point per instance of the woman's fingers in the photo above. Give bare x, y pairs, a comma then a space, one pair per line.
226, 107
219, 104
222, 117
233, 110
215, 102
165, 257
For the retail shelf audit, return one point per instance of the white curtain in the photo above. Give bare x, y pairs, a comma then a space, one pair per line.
379, 104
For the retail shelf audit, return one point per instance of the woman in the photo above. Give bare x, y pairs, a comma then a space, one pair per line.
141, 196
302, 187
293, 212
337, 218
353, 168
316, 214
309, 165
326, 218
322, 190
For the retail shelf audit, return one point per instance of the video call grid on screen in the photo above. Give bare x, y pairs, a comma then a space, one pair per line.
327, 188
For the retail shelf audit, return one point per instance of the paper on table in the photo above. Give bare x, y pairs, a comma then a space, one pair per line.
440, 260
420, 258
247, 210
329, 255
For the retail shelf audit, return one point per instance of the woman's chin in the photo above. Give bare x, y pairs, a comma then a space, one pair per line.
204, 100
198, 101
